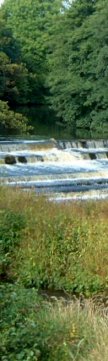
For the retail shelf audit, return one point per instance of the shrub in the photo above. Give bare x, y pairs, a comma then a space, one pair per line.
11, 226
11, 121
33, 329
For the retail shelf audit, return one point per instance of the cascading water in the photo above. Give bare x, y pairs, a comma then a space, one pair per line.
62, 169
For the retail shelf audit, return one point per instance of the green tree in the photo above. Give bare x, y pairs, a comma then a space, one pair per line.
98, 64
78, 66
12, 122
8, 44
13, 81
13, 74
31, 22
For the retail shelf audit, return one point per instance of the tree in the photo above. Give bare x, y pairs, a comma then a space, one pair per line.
13, 81
12, 122
78, 66
98, 63
30, 21
13, 74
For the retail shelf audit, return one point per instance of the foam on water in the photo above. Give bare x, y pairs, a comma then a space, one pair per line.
89, 196
80, 167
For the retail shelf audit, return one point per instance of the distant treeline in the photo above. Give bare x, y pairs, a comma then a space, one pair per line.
55, 55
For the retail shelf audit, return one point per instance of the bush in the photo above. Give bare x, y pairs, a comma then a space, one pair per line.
11, 227
11, 121
35, 330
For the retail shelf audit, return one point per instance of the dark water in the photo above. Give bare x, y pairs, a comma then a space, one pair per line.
46, 124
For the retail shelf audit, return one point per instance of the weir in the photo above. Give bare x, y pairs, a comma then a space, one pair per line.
49, 166
84, 144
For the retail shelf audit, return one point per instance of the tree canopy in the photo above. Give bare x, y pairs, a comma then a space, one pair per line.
56, 53
78, 66
13, 80
31, 23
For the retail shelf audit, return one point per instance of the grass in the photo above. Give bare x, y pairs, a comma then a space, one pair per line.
52, 247
35, 330
60, 247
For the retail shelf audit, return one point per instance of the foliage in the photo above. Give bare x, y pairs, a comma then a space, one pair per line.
33, 329
13, 81
78, 75
30, 22
8, 43
60, 59
13, 74
59, 249
24, 30
40, 241
11, 121
11, 225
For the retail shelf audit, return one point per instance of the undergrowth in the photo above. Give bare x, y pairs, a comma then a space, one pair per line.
35, 330
46, 246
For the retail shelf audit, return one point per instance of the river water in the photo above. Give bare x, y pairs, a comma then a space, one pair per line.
62, 169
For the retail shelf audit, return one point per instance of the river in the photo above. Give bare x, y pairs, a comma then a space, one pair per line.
63, 169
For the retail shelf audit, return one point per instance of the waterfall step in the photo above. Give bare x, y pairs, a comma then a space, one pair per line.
83, 144
63, 185
75, 168
52, 155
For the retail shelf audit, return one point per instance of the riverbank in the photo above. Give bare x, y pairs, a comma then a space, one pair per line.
54, 274
36, 330
61, 246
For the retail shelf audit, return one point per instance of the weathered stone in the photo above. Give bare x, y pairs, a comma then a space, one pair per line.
22, 159
92, 156
10, 159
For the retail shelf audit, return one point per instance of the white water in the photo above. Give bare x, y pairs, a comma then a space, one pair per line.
64, 170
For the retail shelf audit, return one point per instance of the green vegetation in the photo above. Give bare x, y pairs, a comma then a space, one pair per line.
78, 75
55, 56
13, 81
31, 23
35, 330
43, 245
61, 248
23, 65
11, 121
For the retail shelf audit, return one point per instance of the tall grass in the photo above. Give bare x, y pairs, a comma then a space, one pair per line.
61, 247
35, 330
45, 245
